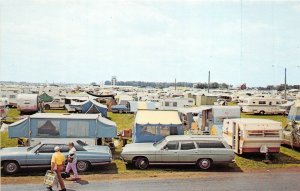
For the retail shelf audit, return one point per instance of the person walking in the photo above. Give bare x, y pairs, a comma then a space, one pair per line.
72, 161
57, 165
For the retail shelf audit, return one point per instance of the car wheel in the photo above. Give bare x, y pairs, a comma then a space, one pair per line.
11, 167
82, 166
142, 163
204, 163
262, 112
120, 111
47, 107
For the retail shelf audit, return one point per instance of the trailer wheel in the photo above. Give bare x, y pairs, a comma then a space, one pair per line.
204, 163
262, 112
47, 106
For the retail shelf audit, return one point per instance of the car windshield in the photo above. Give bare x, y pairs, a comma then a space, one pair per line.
159, 143
81, 143
30, 148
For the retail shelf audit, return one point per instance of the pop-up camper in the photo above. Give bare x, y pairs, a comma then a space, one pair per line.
154, 125
57, 125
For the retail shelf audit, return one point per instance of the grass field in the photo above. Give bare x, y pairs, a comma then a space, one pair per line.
123, 121
286, 158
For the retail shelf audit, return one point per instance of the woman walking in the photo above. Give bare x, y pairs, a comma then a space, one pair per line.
72, 161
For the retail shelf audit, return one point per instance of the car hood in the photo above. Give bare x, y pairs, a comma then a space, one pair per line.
13, 150
136, 147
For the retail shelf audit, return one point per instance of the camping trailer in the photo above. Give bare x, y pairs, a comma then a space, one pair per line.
175, 103
59, 125
262, 105
249, 135
28, 103
154, 125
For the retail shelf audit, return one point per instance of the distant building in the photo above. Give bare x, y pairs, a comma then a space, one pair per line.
114, 80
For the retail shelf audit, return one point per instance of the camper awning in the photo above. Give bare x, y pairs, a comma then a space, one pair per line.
157, 117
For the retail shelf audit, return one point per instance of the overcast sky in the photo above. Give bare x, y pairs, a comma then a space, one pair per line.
90, 41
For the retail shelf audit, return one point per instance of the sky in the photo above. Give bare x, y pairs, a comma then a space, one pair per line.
78, 41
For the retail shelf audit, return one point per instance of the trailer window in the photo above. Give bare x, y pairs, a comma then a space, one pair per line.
262, 102
257, 133
272, 134
27, 102
167, 103
267, 133
174, 104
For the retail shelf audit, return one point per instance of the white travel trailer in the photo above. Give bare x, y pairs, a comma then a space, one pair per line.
249, 135
28, 103
259, 105
175, 103
10, 93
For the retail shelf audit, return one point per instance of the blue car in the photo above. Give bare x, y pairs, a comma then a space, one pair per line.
39, 155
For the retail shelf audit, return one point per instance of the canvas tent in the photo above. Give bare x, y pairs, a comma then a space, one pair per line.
154, 125
92, 106
294, 113
45, 97
57, 125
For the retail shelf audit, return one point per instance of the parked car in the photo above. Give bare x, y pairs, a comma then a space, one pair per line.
120, 109
56, 103
39, 155
179, 149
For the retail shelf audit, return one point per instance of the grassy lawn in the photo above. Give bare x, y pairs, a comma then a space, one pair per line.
123, 121
12, 115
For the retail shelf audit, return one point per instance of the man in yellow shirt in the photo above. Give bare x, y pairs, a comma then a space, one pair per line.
57, 164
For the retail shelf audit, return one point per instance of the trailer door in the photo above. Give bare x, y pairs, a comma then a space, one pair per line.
237, 139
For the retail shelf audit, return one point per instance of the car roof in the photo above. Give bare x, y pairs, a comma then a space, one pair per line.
192, 138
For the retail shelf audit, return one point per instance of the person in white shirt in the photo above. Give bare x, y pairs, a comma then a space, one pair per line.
72, 161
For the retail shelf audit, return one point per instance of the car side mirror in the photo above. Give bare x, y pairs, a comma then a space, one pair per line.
37, 152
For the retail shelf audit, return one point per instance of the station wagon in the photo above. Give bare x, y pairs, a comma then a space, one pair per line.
179, 149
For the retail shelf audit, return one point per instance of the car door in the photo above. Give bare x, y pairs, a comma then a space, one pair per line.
42, 156
55, 103
169, 152
187, 152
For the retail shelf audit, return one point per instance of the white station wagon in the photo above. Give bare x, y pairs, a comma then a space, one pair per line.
179, 149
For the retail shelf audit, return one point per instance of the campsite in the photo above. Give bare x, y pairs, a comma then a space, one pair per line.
149, 95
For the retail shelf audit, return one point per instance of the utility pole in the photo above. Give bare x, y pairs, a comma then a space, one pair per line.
175, 84
285, 83
208, 85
